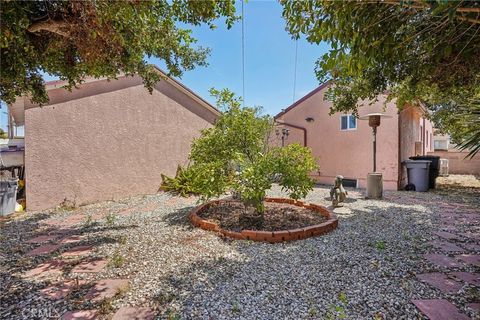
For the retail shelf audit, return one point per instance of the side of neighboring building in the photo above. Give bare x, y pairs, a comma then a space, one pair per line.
458, 163
343, 144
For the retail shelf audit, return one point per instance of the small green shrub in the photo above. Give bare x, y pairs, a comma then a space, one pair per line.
235, 156
181, 184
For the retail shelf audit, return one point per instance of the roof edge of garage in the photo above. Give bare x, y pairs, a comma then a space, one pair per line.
56, 84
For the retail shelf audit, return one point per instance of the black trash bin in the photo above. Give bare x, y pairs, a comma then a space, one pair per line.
434, 168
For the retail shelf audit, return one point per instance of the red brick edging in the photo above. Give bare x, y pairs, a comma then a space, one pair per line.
270, 236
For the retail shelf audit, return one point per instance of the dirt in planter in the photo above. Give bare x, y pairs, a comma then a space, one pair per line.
234, 216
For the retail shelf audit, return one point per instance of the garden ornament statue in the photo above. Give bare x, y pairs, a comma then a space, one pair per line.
338, 194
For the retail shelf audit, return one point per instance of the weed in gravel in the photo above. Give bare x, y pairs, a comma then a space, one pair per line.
378, 316
110, 219
17, 249
173, 316
121, 291
380, 245
312, 312
165, 298
67, 205
117, 260
235, 307
337, 311
88, 220
106, 306
122, 240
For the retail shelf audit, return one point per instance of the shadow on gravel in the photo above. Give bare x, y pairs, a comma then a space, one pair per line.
20, 295
347, 200
378, 234
178, 217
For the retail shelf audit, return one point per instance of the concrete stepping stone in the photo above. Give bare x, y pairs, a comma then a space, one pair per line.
449, 221
471, 216
473, 259
81, 315
470, 278
125, 212
449, 228
71, 239
45, 249
66, 222
442, 260
446, 246
60, 290
41, 239
90, 266
439, 309
77, 251
105, 289
447, 235
471, 246
440, 281
62, 231
470, 235
133, 313
46, 269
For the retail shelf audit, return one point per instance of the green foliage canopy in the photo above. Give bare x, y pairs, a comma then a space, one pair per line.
416, 50
235, 156
75, 39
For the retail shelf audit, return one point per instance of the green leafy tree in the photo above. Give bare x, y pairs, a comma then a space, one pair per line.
416, 50
75, 39
234, 156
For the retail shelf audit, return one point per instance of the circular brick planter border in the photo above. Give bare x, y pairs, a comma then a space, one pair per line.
270, 236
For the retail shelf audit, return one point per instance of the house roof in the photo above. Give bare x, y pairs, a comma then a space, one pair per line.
299, 101
17, 109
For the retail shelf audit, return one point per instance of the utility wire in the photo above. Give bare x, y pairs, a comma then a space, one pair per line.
295, 71
243, 55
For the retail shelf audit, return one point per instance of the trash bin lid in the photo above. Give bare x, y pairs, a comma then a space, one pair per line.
417, 163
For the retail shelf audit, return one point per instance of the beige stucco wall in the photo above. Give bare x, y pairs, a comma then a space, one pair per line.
348, 153
107, 141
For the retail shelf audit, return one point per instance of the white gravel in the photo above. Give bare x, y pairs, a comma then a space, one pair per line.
364, 270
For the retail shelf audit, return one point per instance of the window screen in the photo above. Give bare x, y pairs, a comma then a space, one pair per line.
344, 125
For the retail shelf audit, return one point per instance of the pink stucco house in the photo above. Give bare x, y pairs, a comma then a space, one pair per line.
343, 144
107, 139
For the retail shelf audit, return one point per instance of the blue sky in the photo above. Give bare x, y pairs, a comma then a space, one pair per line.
269, 60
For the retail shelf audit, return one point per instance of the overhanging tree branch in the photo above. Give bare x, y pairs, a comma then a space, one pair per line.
53, 26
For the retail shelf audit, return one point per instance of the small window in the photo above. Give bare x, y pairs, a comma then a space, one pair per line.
348, 122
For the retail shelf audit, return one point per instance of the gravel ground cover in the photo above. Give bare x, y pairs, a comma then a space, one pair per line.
366, 269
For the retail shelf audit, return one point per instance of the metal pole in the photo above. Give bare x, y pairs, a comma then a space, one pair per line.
374, 149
